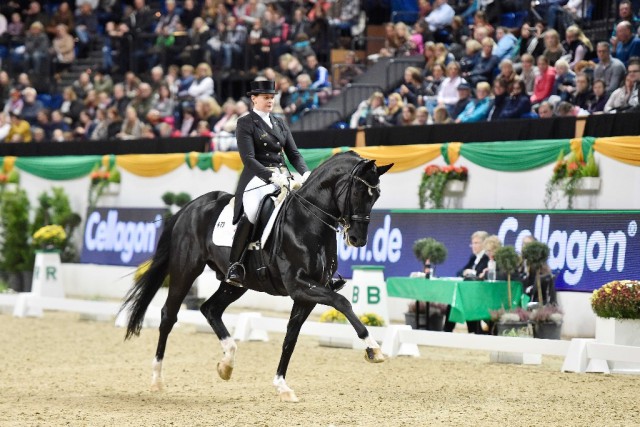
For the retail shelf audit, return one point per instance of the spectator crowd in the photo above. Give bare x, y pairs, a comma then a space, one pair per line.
161, 61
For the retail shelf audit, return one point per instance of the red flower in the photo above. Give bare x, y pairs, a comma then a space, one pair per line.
3, 177
573, 166
431, 170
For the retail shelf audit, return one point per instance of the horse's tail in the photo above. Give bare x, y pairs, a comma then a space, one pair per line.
146, 286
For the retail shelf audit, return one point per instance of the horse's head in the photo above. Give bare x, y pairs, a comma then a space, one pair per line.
357, 194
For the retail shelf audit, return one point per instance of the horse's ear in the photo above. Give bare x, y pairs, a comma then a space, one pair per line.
383, 169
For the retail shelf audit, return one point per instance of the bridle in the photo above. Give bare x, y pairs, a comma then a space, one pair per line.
343, 222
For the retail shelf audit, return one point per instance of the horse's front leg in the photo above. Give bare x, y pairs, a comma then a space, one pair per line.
324, 295
299, 313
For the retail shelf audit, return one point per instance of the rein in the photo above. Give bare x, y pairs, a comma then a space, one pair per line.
342, 220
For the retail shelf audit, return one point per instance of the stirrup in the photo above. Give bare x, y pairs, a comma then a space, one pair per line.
236, 281
337, 284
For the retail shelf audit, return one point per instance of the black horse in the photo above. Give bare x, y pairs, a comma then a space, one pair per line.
301, 259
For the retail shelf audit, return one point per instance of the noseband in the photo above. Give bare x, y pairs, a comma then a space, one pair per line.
344, 221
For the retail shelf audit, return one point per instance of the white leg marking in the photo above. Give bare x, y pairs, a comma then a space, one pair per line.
229, 348
370, 342
281, 384
156, 375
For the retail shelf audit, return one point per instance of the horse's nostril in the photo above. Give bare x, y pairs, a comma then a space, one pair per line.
353, 240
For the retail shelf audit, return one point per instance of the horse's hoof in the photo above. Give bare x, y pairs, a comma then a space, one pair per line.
289, 396
224, 370
373, 355
157, 387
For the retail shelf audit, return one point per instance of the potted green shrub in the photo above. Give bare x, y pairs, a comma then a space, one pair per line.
546, 321
431, 250
17, 254
507, 261
54, 208
513, 323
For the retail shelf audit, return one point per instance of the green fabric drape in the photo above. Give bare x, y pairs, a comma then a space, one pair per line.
444, 151
314, 156
58, 168
587, 145
512, 156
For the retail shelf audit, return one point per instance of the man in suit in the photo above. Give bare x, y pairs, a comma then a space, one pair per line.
263, 139
477, 263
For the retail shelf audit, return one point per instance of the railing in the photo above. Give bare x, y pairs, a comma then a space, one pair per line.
397, 66
313, 118
354, 93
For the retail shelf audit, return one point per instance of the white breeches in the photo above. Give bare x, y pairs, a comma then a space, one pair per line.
254, 192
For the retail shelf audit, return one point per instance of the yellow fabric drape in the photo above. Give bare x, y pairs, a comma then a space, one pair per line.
625, 149
454, 152
230, 159
576, 148
404, 157
193, 159
149, 165
9, 163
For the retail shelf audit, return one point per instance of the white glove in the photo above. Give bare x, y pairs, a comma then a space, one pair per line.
305, 176
279, 179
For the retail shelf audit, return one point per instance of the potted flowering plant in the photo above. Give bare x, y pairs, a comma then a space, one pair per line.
513, 323
10, 181
546, 321
50, 237
617, 307
571, 175
436, 180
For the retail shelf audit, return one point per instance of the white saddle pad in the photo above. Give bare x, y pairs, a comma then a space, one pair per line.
224, 230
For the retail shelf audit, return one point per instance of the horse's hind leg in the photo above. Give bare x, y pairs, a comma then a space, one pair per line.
180, 283
299, 314
212, 310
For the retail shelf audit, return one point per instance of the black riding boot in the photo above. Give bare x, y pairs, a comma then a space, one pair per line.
235, 275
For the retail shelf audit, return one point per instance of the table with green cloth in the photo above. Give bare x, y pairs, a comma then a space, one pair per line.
469, 300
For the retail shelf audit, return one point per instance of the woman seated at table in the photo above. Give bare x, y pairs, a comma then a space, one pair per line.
490, 245
473, 268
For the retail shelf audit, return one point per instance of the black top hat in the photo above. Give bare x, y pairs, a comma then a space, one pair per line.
262, 87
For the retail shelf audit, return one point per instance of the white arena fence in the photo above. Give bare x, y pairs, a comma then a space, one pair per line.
581, 355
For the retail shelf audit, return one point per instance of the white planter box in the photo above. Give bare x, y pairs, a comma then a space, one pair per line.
620, 332
588, 183
454, 186
112, 188
11, 187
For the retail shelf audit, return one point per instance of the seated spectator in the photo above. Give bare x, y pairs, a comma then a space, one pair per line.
370, 112
443, 56
553, 49
625, 13
62, 16
86, 28
132, 126
321, 81
58, 122
115, 119
143, 100
196, 44
36, 52
413, 87
35, 14
567, 109
16, 28
610, 70
485, 67
441, 115
628, 44
473, 50
545, 80
545, 110
208, 110
228, 116
393, 115
202, 85
477, 110
600, 97
43, 122
405, 45
31, 105
528, 72
464, 99
163, 102
20, 130
5, 89
490, 245
481, 23
583, 96
565, 82
518, 103
531, 40
578, 46
100, 131
448, 91
408, 116
432, 86
471, 270
350, 70
507, 44
15, 102
102, 83
120, 100
507, 72
185, 80
63, 48
500, 95
38, 135
422, 116
634, 70
71, 105
83, 85
303, 98
441, 16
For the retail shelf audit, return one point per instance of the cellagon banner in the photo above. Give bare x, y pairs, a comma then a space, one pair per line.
121, 236
587, 248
